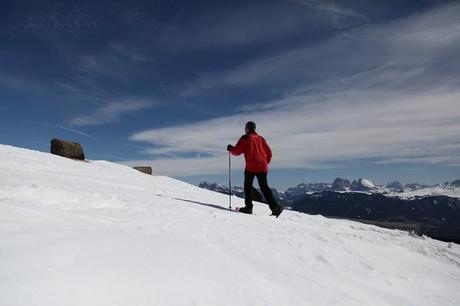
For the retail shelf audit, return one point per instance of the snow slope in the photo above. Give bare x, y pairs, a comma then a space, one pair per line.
99, 233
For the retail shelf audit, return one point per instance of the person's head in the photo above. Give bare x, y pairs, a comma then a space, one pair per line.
250, 127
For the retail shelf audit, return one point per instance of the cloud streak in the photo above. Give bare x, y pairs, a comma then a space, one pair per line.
330, 7
422, 47
112, 112
68, 130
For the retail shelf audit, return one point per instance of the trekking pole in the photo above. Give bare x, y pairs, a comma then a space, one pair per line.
230, 180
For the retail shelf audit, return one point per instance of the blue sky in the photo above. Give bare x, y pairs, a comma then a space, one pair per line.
338, 88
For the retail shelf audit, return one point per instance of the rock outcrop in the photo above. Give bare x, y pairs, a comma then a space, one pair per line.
144, 169
68, 149
341, 184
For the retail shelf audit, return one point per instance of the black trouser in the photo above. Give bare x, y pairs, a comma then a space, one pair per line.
266, 191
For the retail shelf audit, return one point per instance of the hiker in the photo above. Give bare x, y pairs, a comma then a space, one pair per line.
258, 155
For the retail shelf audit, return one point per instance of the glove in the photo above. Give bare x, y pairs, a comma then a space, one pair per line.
229, 147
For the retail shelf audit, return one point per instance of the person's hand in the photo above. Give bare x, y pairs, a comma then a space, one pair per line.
229, 147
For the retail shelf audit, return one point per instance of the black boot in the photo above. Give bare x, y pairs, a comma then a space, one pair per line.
277, 211
245, 210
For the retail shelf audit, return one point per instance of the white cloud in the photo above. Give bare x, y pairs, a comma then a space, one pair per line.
389, 93
343, 127
112, 112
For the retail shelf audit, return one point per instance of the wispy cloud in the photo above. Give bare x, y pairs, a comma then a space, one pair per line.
387, 93
329, 6
102, 75
112, 112
68, 130
423, 47
233, 25
114, 65
132, 52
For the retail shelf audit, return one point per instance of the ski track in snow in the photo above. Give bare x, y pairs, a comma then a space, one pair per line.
99, 233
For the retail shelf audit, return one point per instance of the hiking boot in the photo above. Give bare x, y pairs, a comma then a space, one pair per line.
245, 210
277, 211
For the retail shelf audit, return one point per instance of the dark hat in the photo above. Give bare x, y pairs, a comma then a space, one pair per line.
250, 125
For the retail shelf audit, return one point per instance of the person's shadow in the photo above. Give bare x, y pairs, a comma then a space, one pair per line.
199, 203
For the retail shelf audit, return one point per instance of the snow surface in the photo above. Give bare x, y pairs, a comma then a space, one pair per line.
450, 191
99, 233
367, 183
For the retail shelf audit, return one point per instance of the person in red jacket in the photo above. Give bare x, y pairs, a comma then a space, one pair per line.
258, 155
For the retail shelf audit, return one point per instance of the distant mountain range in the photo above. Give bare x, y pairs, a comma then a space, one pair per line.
432, 210
435, 216
392, 189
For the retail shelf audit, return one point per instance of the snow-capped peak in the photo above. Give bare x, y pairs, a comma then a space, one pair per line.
367, 183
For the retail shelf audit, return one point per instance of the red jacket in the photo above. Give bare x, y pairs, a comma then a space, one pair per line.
256, 151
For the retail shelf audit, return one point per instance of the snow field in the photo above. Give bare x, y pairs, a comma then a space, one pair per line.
99, 233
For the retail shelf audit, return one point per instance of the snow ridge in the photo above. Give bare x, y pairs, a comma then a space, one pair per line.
99, 233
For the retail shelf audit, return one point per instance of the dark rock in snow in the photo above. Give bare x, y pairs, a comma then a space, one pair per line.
144, 169
67, 149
